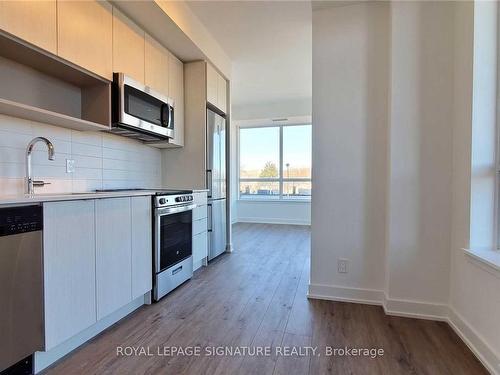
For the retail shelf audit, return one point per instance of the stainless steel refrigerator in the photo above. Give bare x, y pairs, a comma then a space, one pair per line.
216, 183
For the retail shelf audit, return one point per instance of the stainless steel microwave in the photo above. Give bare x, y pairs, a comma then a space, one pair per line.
140, 112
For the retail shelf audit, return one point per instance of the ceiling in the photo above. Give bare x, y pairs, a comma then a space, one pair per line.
269, 44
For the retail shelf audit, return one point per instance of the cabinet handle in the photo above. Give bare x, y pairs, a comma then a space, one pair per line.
209, 218
177, 270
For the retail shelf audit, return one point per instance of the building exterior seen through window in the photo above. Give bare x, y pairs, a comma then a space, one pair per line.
275, 162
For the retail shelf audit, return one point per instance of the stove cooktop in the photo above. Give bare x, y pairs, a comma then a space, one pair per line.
156, 191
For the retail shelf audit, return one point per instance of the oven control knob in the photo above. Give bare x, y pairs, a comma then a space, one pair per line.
190, 197
163, 201
178, 199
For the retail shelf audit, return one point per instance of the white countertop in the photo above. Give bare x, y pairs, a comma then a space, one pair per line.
38, 198
55, 197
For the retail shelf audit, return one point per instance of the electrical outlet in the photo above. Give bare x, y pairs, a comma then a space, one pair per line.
70, 165
342, 265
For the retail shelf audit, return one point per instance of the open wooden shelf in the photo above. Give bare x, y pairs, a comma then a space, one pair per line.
42, 87
18, 50
28, 112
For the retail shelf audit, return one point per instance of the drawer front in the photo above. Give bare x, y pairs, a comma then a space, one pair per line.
200, 199
200, 213
200, 246
199, 226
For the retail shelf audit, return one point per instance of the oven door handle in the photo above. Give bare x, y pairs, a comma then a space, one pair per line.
174, 210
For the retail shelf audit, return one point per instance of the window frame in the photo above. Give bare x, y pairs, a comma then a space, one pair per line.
281, 179
496, 196
496, 218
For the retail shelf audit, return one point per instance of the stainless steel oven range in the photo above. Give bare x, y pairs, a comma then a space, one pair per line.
172, 237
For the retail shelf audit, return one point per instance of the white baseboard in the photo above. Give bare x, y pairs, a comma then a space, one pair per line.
43, 360
199, 263
338, 293
474, 341
267, 220
413, 309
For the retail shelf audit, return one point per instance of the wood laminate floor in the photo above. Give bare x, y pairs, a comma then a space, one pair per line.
256, 297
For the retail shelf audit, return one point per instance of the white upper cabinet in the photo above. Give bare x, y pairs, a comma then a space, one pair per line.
33, 21
85, 35
128, 47
216, 89
176, 90
99, 38
113, 254
69, 269
157, 73
212, 82
221, 93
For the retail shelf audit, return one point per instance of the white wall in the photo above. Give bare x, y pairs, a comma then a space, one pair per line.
350, 75
382, 146
274, 212
419, 205
193, 28
440, 163
101, 160
474, 301
233, 174
278, 109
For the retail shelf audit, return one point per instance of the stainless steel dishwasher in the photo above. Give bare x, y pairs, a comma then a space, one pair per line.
21, 284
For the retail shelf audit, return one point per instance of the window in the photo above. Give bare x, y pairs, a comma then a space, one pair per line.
275, 162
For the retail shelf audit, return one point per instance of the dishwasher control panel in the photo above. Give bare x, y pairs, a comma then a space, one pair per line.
14, 220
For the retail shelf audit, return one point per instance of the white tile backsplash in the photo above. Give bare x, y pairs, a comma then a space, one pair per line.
102, 160
84, 149
87, 161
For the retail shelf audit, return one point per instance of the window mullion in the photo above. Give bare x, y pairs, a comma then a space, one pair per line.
281, 163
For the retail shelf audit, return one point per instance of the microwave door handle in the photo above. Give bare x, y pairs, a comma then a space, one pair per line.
162, 118
170, 108
169, 116
161, 114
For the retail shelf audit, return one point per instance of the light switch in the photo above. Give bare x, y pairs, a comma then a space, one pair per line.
70, 165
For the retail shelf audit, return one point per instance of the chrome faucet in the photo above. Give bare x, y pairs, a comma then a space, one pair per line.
30, 184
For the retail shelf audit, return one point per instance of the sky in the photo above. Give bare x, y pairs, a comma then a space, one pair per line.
259, 145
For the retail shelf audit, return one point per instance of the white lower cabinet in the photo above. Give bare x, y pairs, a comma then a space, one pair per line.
113, 254
200, 235
97, 259
200, 247
69, 269
200, 225
142, 246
